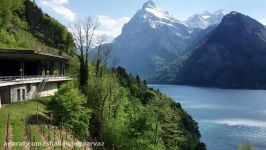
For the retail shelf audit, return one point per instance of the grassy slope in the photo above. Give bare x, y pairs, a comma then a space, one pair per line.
18, 111
27, 27
22, 39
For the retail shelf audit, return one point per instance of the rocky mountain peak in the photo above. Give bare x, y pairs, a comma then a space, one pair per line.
149, 4
241, 21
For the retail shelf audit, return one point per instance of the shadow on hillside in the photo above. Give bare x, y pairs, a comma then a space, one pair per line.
44, 116
38, 119
45, 101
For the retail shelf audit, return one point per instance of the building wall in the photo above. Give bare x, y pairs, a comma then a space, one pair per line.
5, 95
17, 92
32, 88
49, 89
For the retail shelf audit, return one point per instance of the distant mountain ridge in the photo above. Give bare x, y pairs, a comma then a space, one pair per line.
153, 39
233, 55
151, 36
205, 19
208, 49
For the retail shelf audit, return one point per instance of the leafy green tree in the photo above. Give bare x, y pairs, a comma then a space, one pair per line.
128, 115
145, 82
5, 13
69, 108
73, 70
246, 146
138, 79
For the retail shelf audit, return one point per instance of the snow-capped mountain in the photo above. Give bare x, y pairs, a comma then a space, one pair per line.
150, 39
205, 19
153, 38
150, 13
157, 18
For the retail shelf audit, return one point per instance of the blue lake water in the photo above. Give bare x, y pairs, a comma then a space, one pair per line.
226, 118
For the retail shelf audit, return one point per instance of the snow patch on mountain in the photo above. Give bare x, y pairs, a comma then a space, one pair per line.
150, 36
159, 13
205, 19
156, 16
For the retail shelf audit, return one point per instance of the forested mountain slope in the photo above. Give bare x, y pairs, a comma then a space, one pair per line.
24, 26
124, 113
231, 56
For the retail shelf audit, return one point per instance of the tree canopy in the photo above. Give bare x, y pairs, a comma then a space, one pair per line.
24, 25
126, 114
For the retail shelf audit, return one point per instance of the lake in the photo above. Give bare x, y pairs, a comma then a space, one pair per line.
226, 117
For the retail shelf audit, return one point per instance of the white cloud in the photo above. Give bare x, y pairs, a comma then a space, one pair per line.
111, 27
58, 6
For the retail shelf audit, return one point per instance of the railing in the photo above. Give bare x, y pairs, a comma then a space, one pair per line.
31, 77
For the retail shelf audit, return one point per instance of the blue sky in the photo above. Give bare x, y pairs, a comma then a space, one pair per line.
113, 14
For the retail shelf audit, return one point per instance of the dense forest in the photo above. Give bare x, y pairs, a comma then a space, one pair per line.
120, 110
24, 26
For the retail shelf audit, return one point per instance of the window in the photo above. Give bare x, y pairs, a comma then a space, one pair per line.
18, 95
23, 94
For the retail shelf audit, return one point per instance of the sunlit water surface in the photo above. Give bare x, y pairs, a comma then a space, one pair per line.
226, 118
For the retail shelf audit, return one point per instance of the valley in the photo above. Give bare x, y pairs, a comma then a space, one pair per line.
192, 82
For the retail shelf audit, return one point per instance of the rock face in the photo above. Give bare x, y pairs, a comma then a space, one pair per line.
233, 55
153, 39
150, 38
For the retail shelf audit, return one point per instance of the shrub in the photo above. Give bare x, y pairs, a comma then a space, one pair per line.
69, 107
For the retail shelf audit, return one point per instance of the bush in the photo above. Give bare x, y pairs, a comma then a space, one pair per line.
69, 107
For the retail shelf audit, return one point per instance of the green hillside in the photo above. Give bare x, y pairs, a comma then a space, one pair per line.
37, 117
124, 112
24, 26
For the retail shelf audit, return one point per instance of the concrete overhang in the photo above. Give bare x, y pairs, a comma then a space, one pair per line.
31, 55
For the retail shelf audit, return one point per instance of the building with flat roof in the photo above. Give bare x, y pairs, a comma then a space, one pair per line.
28, 74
